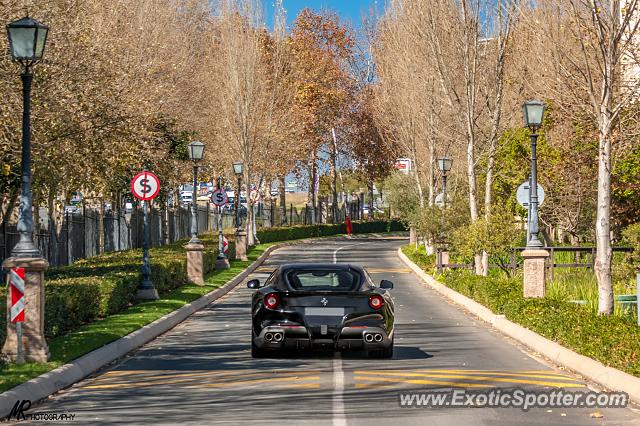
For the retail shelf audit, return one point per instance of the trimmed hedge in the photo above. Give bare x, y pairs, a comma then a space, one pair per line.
612, 340
271, 235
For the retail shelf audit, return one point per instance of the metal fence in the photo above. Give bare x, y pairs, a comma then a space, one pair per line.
88, 233
584, 257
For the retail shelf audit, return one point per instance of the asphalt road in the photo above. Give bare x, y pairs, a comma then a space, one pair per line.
201, 372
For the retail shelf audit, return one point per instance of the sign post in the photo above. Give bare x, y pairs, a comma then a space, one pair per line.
220, 199
254, 199
145, 186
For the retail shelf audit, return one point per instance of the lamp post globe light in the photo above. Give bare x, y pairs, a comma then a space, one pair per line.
196, 152
27, 41
444, 164
533, 112
241, 234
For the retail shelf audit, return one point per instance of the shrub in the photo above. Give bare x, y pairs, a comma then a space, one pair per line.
420, 257
495, 235
612, 340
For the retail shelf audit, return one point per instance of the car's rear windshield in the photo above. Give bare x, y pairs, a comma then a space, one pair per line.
323, 280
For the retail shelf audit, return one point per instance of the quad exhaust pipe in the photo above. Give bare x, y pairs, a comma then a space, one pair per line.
373, 337
276, 337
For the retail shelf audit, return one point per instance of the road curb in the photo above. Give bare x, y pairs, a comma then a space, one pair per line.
66, 375
599, 373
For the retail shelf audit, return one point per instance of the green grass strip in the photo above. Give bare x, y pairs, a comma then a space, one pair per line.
99, 333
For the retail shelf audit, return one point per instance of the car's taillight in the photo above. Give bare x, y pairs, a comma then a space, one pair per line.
376, 301
271, 300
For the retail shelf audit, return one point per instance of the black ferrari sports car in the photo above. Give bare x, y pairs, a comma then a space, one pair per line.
329, 306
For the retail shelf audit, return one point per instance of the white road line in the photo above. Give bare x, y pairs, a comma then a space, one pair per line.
335, 253
338, 388
338, 376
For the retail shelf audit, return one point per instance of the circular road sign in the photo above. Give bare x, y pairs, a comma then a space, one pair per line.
145, 186
219, 198
254, 196
522, 194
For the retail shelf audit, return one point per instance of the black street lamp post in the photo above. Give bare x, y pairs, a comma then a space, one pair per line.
27, 39
222, 262
533, 116
196, 152
444, 164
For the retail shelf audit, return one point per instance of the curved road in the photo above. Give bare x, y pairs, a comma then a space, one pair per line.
201, 372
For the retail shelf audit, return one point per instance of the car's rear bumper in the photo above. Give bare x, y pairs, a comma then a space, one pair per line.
299, 337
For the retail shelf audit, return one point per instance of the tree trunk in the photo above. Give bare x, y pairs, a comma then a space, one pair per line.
371, 203
312, 190
602, 265
416, 176
432, 166
100, 226
334, 177
283, 200
473, 203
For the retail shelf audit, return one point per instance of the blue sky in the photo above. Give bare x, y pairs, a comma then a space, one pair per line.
348, 10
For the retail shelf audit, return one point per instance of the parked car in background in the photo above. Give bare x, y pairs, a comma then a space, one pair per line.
186, 198
72, 209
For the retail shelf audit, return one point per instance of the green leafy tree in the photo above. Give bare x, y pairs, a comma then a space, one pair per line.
496, 235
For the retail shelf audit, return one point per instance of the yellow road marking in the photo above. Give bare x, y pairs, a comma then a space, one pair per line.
422, 382
552, 373
305, 385
471, 377
373, 385
251, 382
204, 373
391, 270
492, 373
160, 381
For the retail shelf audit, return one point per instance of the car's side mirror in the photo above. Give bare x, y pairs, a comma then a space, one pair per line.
386, 284
254, 284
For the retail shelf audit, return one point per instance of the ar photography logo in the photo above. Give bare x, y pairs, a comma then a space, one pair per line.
20, 408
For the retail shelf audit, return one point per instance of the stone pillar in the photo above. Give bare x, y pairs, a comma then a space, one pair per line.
241, 245
34, 345
195, 263
445, 258
534, 272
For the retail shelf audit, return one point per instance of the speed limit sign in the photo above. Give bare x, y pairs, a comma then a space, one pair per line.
145, 186
219, 198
